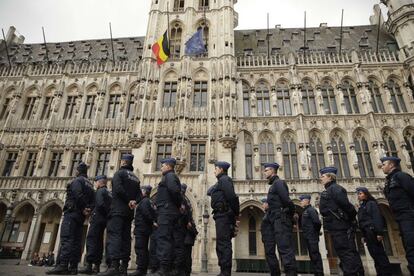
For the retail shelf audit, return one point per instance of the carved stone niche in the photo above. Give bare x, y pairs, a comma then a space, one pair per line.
179, 167
135, 141
228, 142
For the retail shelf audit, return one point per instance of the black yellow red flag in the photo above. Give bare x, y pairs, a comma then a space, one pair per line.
161, 49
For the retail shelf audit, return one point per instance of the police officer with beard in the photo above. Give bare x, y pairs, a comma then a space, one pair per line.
339, 219
168, 202
399, 191
280, 212
190, 232
226, 208
126, 193
371, 224
145, 220
269, 241
79, 203
97, 225
311, 227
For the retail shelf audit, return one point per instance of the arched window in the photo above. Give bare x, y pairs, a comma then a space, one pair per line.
203, 5
248, 147
308, 98
409, 141
263, 99
329, 101
267, 152
170, 94
114, 103
90, 102
389, 144
5, 101
252, 237
377, 103
350, 98
204, 27
290, 157
364, 158
246, 99
283, 99
317, 159
396, 97
47, 104
175, 41
178, 5
340, 156
200, 93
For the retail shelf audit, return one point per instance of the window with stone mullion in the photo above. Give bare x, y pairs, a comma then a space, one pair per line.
389, 145
198, 157
290, 159
70, 106
200, 94
252, 236
317, 158
308, 99
329, 101
249, 160
204, 4
175, 41
113, 106
28, 108
179, 5
77, 157
131, 106
377, 103
246, 100
350, 98
55, 162
103, 162
9, 163
397, 97
89, 105
409, 141
47, 108
364, 158
263, 101
170, 94
4, 112
340, 157
283, 100
30, 164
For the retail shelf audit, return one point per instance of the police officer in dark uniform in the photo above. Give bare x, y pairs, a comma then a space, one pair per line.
190, 232
226, 208
144, 221
269, 241
97, 225
311, 227
126, 193
371, 224
339, 219
399, 191
168, 202
280, 212
79, 203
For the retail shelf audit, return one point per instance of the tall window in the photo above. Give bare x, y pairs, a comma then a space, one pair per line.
249, 159
70, 107
113, 106
198, 157
28, 108
76, 159
290, 157
317, 159
409, 141
283, 99
131, 106
340, 157
175, 41
204, 27
308, 98
204, 4
263, 99
170, 94
364, 159
103, 162
163, 151
267, 152
178, 5
47, 108
90, 102
200, 94
397, 97
329, 101
55, 162
246, 100
389, 144
252, 237
30, 164
350, 98
4, 113
9, 164
377, 103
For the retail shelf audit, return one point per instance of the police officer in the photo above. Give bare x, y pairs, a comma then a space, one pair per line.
78, 205
371, 224
190, 232
126, 193
154, 263
168, 202
399, 191
226, 208
269, 241
145, 220
97, 225
311, 227
280, 212
339, 219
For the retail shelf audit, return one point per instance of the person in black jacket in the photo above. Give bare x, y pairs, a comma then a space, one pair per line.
311, 227
97, 225
168, 202
226, 208
190, 232
339, 220
371, 224
145, 220
126, 192
280, 212
399, 191
79, 203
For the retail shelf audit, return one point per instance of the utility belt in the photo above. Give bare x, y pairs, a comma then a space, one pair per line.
220, 207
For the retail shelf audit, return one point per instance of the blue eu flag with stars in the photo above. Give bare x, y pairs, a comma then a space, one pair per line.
195, 45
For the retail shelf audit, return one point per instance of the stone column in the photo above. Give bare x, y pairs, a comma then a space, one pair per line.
57, 243
31, 236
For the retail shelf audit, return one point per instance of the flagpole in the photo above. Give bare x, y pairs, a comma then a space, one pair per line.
7, 48
168, 21
340, 39
304, 36
112, 44
44, 40
268, 38
378, 31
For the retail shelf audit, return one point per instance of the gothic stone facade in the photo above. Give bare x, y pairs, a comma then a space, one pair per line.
304, 106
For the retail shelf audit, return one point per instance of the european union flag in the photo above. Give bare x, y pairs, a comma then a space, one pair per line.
195, 45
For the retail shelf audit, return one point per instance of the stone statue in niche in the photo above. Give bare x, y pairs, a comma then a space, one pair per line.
329, 152
377, 156
122, 101
303, 158
279, 156
148, 151
309, 156
274, 98
382, 151
77, 104
212, 151
406, 156
213, 128
227, 127
253, 99
354, 157
35, 107
13, 104
296, 100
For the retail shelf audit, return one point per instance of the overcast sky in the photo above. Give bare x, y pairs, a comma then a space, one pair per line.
66, 20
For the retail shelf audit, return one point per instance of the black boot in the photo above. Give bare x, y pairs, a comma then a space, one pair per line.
96, 268
60, 269
113, 270
123, 269
163, 271
87, 269
73, 269
138, 273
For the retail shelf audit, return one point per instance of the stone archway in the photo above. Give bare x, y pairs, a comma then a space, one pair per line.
3, 212
45, 239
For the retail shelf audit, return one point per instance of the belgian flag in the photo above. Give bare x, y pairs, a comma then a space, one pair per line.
161, 49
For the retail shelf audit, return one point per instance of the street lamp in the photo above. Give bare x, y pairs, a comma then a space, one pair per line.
204, 260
